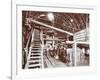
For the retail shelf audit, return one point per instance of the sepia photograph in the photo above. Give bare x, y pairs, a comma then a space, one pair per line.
55, 39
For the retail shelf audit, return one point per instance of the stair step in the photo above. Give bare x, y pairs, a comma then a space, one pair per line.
34, 61
36, 48
37, 35
34, 65
37, 45
35, 58
34, 55
36, 41
35, 51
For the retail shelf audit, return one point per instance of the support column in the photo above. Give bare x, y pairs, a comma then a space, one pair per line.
42, 46
53, 41
74, 55
32, 36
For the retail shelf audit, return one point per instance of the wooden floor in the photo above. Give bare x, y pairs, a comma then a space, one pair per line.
51, 62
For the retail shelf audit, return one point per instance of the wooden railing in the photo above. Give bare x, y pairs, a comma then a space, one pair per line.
29, 39
27, 48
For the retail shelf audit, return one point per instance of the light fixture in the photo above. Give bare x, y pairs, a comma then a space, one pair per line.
71, 20
50, 16
42, 15
83, 50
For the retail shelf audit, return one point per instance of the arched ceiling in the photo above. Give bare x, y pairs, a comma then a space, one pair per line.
71, 22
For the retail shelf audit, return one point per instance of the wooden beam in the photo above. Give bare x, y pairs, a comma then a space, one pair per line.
49, 26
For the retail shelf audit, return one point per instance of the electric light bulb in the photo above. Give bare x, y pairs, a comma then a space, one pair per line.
50, 16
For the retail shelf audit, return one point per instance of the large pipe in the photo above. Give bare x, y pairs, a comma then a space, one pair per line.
49, 26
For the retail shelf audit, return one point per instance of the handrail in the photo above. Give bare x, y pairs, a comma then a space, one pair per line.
28, 49
29, 39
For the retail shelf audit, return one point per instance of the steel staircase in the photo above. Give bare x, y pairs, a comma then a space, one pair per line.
35, 58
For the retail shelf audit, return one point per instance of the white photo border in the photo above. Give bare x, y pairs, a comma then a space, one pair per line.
18, 72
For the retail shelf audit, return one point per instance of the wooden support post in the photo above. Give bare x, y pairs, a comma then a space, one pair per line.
74, 55
32, 36
53, 41
42, 46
